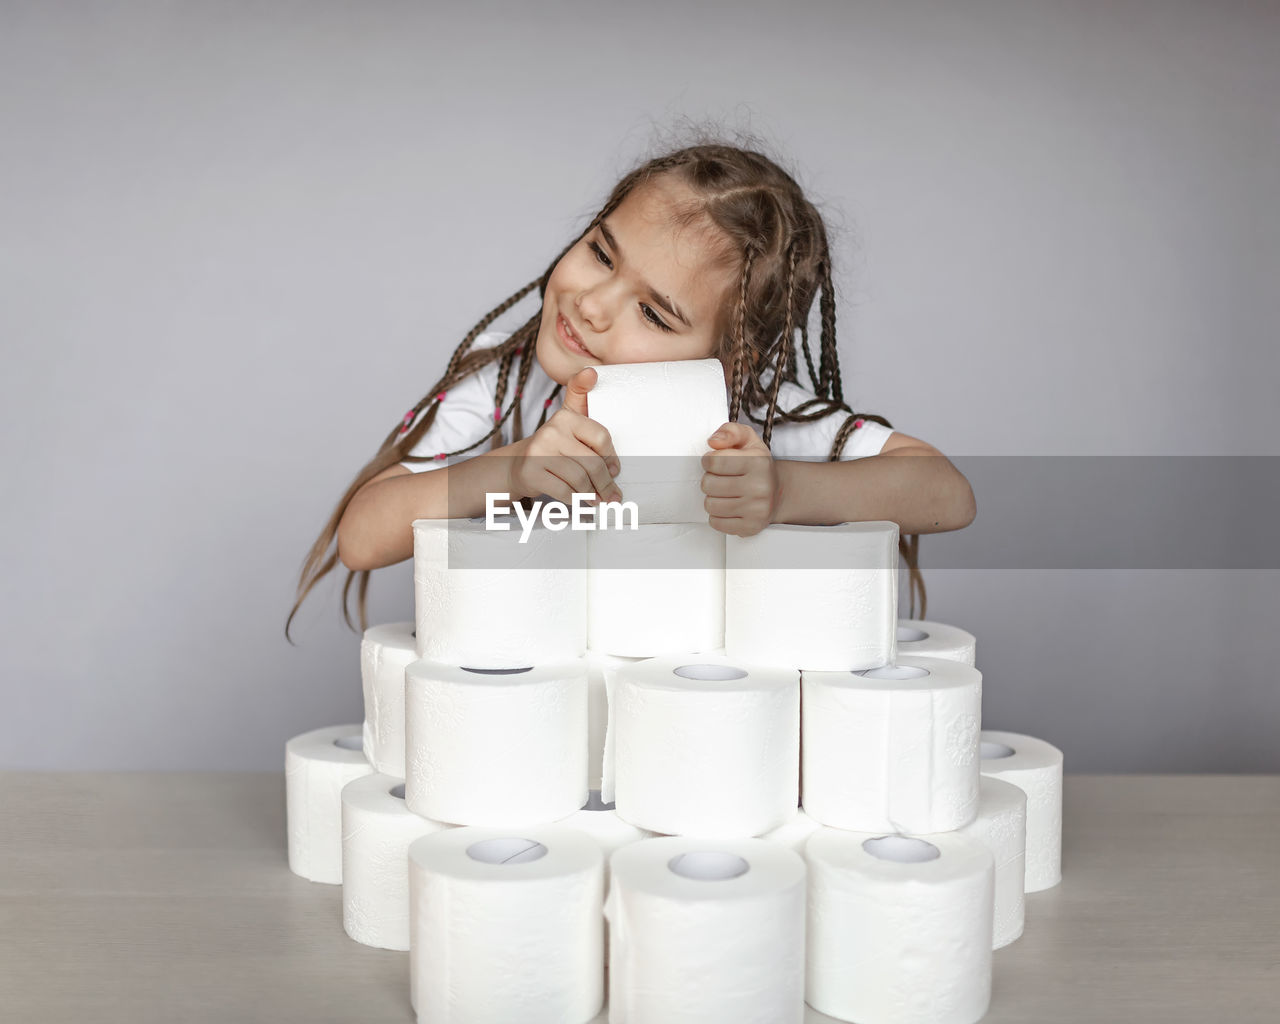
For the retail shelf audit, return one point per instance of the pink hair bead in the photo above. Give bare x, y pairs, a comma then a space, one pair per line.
497, 414
440, 396
408, 418
547, 404
442, 456
858, 422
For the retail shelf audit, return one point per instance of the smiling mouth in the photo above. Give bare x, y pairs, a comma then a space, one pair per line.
571, 343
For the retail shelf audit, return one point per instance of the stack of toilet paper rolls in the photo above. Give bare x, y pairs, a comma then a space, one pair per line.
722, 760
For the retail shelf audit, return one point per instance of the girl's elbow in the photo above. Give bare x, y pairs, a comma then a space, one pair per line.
956, 514
350, 552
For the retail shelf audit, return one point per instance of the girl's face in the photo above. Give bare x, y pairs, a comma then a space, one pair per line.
633, 290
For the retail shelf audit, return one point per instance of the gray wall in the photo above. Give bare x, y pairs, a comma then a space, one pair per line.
239, 239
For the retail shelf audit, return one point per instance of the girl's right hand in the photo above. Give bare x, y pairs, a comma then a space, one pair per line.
568, 454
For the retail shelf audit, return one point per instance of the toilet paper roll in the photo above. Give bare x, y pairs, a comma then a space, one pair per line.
1001, 826
385, 652
655, 590
377, 829
496, 746
1035, 767
706, 746
794, 833
784, 606
899, 927
317, 765
706, 930
506, 926
463, 572
659, 416
607, 667
893, 749
925, 639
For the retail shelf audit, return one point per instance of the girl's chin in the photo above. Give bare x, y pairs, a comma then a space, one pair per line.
549, 366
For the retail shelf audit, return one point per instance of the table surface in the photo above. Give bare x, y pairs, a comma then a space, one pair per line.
168, 897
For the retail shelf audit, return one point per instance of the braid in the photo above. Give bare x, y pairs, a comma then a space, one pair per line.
527, 358
851, 423
784, 344
910, 548
827, 368
739, 341
909, 545
547, 404
459, 366
500, 389
808, 359
486, 320
504, 353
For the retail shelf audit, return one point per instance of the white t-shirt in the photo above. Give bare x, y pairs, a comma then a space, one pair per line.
467, 414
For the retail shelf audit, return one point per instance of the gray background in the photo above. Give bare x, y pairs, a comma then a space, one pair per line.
238, 240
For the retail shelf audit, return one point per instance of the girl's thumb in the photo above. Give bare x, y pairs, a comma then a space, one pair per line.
575, 398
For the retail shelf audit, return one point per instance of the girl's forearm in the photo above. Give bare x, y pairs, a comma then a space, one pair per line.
377, 527
917, 488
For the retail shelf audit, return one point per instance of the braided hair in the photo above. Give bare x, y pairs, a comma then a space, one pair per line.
777, 241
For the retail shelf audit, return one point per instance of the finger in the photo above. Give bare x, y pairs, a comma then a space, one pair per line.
575, 398
600, 479
572, 473
728, 524
717, 486
553, 487
728, 463
723, 508
734, 435
596, 437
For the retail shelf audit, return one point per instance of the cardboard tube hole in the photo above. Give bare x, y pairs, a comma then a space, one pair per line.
708, 865
993, 751
903, 849
911, 635
496, 671
397, 791
710, 672
506, 851
894, 672
350, 742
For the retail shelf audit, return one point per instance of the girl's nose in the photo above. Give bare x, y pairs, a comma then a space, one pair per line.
594, 307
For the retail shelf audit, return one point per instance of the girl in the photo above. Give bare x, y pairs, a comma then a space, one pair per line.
708, 251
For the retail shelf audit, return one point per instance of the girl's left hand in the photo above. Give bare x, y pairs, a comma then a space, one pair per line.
740, 481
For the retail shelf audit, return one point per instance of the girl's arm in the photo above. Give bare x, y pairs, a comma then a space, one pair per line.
568, 454
377, 527
910, 483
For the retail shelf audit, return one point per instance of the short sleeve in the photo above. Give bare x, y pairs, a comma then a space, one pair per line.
867, 439
464, 416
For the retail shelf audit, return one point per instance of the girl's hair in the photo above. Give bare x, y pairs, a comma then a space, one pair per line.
775, 238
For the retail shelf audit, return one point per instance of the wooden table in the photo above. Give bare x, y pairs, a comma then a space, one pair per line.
168, 898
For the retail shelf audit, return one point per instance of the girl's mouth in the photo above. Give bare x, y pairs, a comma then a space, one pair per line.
562, 328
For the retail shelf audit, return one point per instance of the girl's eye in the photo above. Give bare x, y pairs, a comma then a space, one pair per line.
649, 314
653, 317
